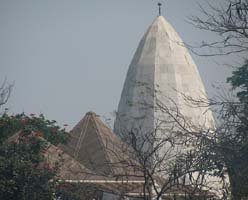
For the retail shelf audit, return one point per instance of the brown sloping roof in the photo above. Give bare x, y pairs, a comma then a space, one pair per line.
94, 145
69, 168
72, 171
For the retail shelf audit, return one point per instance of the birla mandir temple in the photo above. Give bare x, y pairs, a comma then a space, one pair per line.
156, 107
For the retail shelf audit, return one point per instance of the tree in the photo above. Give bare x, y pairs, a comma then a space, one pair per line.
236, 139
239, 80
24, 172
172, 173
5, 91
227, 146
224, 151
229, 21
22, 175
167, 159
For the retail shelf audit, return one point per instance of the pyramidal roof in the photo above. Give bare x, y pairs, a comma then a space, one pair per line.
95, 146
162, 77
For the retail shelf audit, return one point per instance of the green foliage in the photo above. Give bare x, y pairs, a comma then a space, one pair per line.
239, 80
24, 172
231, 147
225, 151
237, 141
47, 129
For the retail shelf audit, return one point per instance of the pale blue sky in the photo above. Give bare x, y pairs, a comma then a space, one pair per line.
67, 57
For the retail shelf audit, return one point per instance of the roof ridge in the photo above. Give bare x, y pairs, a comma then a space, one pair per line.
101, 142
81, 137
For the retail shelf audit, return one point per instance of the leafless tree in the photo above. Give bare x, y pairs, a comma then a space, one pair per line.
228, 144
170, 158
5, 90
229, 20
225, 149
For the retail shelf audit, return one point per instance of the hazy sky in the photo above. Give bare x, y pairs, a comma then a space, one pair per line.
68, 57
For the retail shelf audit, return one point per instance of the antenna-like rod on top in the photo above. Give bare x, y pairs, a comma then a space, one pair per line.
159, 8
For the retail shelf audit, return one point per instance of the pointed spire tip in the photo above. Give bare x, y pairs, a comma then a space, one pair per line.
159, 8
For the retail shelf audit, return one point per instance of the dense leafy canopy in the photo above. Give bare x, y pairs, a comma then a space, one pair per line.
24, 172
239, 80
47, 129
237, 142
229, 147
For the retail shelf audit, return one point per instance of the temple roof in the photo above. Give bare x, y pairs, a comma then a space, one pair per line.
95, 146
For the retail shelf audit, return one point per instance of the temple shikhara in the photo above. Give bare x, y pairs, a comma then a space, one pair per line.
158, 103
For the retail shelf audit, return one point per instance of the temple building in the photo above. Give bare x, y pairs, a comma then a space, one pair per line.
162, 82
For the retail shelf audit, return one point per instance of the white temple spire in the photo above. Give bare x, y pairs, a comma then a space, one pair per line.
162, 70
